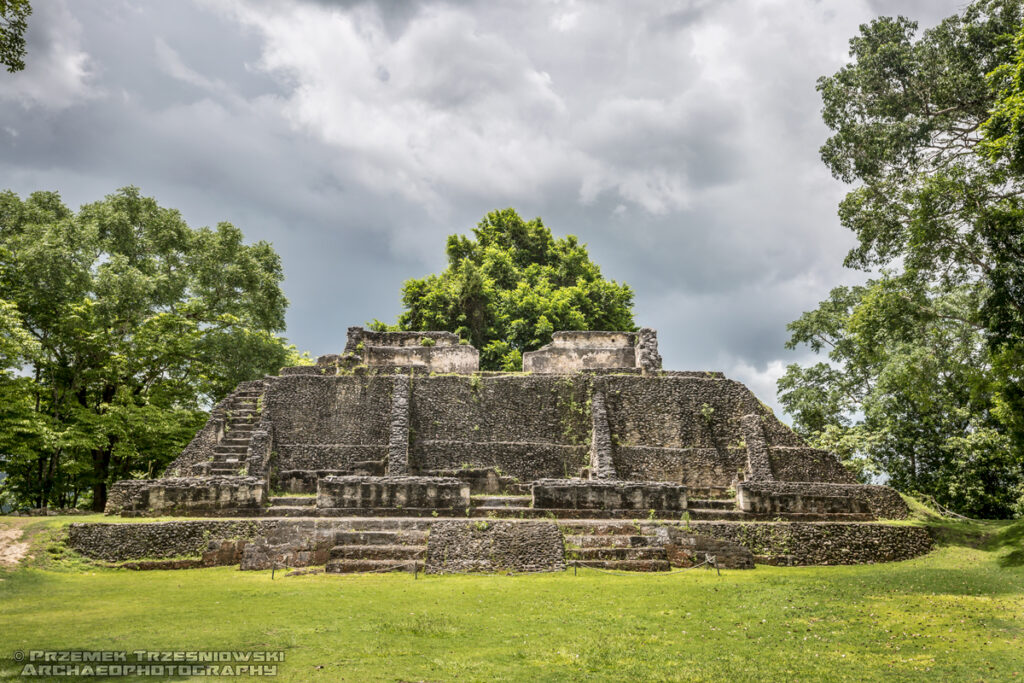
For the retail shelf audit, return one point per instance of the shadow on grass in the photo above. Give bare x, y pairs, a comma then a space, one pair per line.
1011, 537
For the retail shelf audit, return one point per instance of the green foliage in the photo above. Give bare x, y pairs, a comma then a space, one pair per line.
922, 381
125, 325
13, 22
510, 286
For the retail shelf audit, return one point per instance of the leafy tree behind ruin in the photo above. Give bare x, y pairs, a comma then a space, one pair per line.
13, 22
512, 284
119, 326
923, 379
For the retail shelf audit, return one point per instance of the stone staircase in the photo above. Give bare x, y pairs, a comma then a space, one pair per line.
242, 415
380, 546
291, 506
614, 546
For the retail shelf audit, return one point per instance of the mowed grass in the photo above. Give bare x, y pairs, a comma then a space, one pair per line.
955, 614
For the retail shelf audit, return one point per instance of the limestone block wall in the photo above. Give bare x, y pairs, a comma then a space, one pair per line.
329, 422
822, 543
301, 542
572, 351
432, 493
494, 546
883, 502
527, 426
212, 495
463, 359
695, 429
574, 494
808, 464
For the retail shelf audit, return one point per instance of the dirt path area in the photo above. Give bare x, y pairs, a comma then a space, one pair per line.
11, 551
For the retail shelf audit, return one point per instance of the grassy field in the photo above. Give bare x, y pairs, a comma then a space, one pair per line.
956, 614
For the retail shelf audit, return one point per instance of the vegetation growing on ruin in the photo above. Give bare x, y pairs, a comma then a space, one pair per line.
509, 286
955, 614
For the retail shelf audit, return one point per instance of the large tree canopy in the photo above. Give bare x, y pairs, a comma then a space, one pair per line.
119, 326
923, 381
510, 286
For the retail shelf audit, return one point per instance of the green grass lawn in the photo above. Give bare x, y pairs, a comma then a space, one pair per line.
956, 614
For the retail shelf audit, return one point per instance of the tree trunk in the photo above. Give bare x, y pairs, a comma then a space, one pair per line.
100, 470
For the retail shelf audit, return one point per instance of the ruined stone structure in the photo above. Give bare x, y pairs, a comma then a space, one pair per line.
377, 451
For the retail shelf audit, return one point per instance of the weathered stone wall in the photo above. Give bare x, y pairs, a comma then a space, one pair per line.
681, 427
791, 497
211, 495
800, 543
119, 542
304, 542
647, 357
436, 493
328, 422
493, 546
528, 426
359, 338
808, 464
462, 359
572, 351
687, 549
693, 467
569, 494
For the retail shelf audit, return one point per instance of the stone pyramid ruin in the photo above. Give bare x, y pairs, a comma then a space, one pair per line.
399, 453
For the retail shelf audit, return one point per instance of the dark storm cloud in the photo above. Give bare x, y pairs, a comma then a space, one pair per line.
679, 140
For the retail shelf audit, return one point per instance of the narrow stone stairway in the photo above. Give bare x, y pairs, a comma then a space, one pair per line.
379, 547
242, 412
614, 546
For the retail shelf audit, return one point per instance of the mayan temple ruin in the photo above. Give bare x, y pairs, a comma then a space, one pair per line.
398, 453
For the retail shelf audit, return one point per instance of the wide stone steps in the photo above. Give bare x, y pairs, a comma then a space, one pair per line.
381, 549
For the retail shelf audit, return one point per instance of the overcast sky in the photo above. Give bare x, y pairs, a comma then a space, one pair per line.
679, 140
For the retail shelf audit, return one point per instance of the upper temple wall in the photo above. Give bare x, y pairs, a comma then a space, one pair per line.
685, 429
573, 351
428, 351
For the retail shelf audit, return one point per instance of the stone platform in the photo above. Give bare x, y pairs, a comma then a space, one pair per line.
355, 544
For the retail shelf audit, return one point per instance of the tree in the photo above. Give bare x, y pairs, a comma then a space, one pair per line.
920, 382
128, 325
13, 22
510, 286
